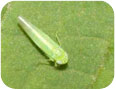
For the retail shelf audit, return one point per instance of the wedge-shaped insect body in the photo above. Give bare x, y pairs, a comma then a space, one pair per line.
44, 42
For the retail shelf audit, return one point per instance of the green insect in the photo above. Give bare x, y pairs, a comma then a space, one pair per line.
44, 42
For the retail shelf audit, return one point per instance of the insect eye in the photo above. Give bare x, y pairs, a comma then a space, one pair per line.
59, 62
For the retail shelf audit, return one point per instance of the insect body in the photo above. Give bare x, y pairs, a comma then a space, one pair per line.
44, 42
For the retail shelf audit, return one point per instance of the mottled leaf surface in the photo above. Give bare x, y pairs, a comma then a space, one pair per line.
86, 33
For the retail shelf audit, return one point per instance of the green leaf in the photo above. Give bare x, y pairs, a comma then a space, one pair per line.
86, 33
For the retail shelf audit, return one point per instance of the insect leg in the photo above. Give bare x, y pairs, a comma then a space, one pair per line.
57, 38
51, 59
56, 64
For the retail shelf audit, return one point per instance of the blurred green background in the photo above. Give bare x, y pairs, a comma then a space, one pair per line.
86, 33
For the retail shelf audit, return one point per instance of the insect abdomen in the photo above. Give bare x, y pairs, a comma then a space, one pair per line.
42, 40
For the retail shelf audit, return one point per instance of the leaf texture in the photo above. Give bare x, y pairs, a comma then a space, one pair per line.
86, 33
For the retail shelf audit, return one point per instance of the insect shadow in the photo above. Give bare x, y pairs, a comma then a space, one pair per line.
60, 67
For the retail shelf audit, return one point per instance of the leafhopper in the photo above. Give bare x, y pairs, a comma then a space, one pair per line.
44, 42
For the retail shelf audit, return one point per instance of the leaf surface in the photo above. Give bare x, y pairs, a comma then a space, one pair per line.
85, 31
